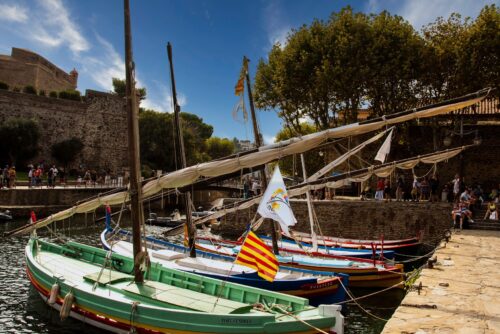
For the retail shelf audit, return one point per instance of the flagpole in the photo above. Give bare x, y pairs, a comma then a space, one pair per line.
258, 143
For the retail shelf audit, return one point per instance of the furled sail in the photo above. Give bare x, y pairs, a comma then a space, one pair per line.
341, 180
345, 156
265, 154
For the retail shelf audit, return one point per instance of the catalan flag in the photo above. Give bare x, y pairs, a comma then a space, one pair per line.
254, 253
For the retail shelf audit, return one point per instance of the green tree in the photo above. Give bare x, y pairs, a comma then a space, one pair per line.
292, 165
395, 64
480, 61
119, 87
158, 150
444, 40
18, 140
219, 147
66, 151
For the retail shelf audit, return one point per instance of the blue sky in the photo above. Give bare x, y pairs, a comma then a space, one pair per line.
209, 39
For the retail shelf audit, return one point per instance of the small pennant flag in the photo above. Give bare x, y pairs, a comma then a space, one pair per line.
32, 217
384, 150
108, 218
255, 254
275, 203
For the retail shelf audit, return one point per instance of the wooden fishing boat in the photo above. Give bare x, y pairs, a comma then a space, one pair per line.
396, 245
131, 294
319, 287
327, 252
96, 287
363, 273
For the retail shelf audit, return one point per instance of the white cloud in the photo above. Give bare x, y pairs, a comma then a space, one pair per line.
57, 22
268, 139
104, 65
13, 13
159, 98
422, 12
275, 24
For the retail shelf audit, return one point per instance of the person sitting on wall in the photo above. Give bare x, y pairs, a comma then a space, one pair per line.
466, 198
492, 211
461, 216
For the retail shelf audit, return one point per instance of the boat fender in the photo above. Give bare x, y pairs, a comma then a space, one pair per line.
333, 311
54, 291
66, 306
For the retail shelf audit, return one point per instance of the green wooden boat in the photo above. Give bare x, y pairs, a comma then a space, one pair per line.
168, 301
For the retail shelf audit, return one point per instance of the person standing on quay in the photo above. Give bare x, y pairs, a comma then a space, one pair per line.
12, 177
379, 194
399, 189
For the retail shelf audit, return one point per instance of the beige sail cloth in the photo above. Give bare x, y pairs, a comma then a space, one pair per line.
341, 159
382, 171
265, 154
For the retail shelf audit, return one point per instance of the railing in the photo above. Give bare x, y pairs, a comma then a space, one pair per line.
487, 107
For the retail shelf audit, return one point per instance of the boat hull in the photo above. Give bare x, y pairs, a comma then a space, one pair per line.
329, 289
110, 308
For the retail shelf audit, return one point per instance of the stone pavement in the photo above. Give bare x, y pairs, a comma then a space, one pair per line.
460, 295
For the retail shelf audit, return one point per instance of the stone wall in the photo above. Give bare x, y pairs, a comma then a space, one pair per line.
359, 219
25, 68
99, 122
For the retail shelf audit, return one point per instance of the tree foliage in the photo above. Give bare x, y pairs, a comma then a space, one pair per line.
119, 87
292, 165
18, 140
66, 151
328, 70
219, 147
158, 149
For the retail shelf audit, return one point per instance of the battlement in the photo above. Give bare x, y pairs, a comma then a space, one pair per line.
26, 68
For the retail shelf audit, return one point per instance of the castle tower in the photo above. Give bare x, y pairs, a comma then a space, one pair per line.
74, 76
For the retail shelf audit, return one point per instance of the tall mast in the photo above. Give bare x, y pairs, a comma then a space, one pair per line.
136, 212
309, 206
258, 143
180, 144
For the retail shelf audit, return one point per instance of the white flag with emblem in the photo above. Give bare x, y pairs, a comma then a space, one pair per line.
275, 203
384, 150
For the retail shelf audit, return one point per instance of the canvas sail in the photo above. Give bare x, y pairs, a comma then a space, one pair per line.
264, 155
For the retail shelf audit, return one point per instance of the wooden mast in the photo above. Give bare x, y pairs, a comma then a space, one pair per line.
258, 143
135, 192
180, 144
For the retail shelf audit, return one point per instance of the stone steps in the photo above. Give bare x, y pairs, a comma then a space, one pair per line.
480, 224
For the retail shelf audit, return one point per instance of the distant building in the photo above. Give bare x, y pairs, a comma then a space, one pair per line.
26, 68
246, 145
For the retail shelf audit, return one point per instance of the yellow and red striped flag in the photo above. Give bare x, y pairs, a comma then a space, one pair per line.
254, 253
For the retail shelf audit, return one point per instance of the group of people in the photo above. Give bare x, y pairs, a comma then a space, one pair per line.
251, 187
467, 200
103, 178
8, 177
421, 189
37, 174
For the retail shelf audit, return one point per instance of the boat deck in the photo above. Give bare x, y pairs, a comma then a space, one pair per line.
461, 294
114, 283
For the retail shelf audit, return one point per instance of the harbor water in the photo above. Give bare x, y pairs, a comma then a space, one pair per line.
22, 310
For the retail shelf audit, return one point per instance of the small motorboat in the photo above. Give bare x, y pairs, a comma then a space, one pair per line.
174, 220
5, 216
